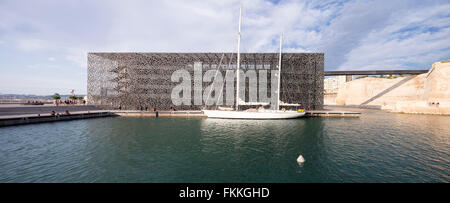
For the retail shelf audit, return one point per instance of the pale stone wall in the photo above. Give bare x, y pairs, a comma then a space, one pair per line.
427, 93
329, 98
437, 86
436, 93
421, 107
358, 91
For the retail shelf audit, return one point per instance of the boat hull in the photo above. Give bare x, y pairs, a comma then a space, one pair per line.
252, 115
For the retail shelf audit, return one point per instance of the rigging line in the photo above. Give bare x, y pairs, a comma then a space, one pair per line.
212, 84
223, 83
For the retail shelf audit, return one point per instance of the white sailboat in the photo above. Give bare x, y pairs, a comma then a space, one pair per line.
253, 113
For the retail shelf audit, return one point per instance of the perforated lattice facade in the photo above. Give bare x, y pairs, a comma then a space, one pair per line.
143, 80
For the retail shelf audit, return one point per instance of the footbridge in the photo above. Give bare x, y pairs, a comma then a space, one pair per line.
351, 73
374, 72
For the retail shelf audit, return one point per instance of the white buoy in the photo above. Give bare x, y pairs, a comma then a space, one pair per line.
300, 159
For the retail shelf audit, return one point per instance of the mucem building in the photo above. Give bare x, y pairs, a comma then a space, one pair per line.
192, 81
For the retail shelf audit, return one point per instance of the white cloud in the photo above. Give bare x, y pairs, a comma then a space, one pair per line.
77, 56
33, 66
46, 86
336, 28
43, 66
353, 34
406, 42
31, 44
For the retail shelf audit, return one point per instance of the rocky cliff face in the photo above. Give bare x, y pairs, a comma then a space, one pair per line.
426, 93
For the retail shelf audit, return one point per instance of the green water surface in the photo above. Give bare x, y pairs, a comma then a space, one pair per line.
377, 147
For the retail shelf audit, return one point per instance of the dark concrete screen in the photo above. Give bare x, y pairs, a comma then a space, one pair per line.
150, 80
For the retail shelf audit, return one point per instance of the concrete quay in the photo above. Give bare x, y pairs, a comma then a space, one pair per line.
332, 113
159, 113
43, 118
18, 115
20, 109
313, 113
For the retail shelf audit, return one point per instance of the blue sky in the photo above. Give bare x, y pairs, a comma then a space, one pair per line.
43, 43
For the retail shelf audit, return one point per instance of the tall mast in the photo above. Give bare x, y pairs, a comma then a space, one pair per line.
279, 75
238, 59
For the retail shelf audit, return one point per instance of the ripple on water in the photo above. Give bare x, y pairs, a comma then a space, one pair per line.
377, 147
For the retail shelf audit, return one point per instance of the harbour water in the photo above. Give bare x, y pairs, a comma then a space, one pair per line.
377, 147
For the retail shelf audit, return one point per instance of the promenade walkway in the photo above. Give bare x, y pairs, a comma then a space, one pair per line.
19, 114
20, 109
